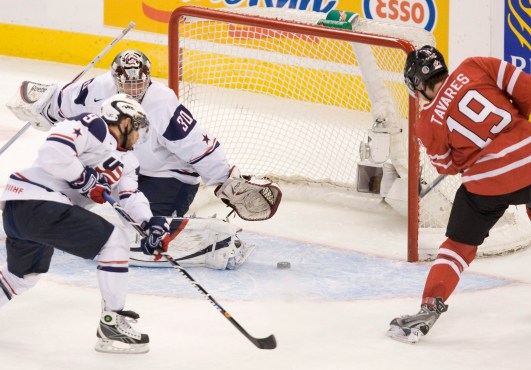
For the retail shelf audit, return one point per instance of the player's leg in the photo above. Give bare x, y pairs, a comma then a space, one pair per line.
184, 198
471, 219
206, 242
26, 260
92, 237
115, 325
167, 195
84, 234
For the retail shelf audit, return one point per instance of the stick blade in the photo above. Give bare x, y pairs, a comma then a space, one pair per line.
266, 343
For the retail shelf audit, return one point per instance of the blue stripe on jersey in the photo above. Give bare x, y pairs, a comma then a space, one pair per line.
193, 174
180, 125
206, 154
63, 141
113, 269
83, 92
18, 178
124, 196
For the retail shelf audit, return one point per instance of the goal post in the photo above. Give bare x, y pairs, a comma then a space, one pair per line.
297, 101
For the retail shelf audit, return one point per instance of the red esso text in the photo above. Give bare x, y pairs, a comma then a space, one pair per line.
412, 12
404, 11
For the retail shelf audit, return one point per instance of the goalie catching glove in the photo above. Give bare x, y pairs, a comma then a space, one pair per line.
251, 198
32, 104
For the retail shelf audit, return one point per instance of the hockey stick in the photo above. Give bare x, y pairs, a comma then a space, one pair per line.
430, 187
263, 343
82, 73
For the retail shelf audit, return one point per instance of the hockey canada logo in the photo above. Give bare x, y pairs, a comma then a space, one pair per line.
419, 13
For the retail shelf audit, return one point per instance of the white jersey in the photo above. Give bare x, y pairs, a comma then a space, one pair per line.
82, 141
176, 145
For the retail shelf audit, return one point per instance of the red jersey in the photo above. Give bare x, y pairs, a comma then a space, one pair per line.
478, 125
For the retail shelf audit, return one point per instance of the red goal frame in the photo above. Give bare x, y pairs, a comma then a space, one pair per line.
321, 31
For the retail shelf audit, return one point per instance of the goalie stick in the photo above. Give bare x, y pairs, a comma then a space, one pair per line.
430, 187
263, 343
82, 73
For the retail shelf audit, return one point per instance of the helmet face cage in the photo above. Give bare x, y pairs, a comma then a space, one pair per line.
131, 72
421, 65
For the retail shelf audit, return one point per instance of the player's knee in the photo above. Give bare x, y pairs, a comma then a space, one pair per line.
116, 248
459, 251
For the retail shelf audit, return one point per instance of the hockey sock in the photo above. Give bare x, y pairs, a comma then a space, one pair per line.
113, 268
453, 258
528, 209
12, 285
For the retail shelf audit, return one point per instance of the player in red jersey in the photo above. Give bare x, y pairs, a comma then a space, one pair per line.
475, 123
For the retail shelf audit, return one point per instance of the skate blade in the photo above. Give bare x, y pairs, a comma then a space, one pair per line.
404, 335
113, 346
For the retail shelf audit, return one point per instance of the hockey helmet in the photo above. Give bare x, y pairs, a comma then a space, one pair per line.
119, 105
131, 71
421, 65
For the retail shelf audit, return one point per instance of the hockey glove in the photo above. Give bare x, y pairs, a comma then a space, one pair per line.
251, 198
32, 104
91, 185
158, 237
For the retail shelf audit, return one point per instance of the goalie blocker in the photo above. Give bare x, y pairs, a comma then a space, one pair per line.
31, 103
251, 198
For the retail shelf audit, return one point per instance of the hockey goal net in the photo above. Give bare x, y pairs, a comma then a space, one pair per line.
293, 100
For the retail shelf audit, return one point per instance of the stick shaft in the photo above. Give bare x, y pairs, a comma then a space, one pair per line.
81, 74
262, 343
431, 186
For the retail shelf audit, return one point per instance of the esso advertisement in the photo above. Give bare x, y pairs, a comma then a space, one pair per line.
419, 13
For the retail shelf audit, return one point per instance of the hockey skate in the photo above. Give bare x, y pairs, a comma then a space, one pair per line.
410, 328
239, 254
115, 334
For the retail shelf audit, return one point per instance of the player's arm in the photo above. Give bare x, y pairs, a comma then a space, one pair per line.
59, 155
512, 80
435, 139
133, 201
44, 105
187, 140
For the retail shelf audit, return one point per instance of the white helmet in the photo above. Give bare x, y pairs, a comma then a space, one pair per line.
119, 105
131, 71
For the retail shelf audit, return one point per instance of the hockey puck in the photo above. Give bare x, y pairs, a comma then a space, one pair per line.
283, 265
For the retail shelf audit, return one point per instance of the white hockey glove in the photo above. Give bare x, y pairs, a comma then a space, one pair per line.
251, 198
32, 102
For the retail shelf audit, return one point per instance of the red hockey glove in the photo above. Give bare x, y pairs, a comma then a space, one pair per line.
91, 185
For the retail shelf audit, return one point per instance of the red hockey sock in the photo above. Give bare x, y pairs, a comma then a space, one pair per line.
528, 212
453, 258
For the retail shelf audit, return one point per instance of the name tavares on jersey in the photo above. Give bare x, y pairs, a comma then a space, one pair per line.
446, 97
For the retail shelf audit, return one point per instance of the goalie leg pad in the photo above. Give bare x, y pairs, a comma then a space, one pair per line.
206, 242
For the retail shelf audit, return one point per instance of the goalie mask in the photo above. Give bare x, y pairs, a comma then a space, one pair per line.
122, 105
422, 65
131, 71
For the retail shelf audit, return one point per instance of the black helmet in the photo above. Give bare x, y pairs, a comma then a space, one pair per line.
421, 65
